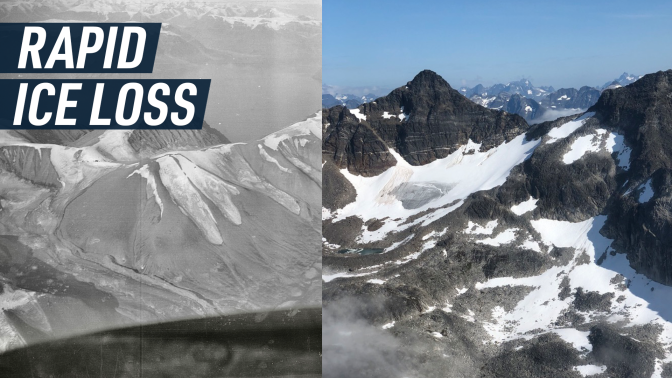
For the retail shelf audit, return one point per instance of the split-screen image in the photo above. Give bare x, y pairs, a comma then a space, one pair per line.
366, 189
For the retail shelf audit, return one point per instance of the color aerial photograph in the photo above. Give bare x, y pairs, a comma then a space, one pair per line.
497, 189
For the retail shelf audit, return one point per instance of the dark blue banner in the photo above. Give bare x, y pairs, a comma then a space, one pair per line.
103, 104
78, 47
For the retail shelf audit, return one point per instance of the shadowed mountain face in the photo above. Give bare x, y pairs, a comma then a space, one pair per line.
276, 344
125, 227
643, 113
520, 252
424, 120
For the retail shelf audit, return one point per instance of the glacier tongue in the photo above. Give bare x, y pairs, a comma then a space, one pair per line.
450, 181
152, 191
187, 197
216, 190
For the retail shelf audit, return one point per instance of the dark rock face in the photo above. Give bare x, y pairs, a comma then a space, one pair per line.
623, 356
435, 120
592, 300
149, 142
561, 195
548, 356
337, 191
353, 145
642, 111
62, 137
30, 163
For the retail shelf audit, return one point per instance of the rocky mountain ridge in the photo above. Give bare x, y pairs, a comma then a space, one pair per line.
413, 119
541, 253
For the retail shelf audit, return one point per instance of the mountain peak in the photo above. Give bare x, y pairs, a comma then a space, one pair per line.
428, 78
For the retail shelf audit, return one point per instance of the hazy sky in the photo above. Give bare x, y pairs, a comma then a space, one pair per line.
561, 43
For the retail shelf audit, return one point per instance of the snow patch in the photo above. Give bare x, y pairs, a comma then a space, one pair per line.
399, 243
271, 159
623, 152
643, 302
477, 229
504, 237
581, 146
358, 114
524, 206
567, 129
578, 339
588, 370
331, 277
647, 192
376, 281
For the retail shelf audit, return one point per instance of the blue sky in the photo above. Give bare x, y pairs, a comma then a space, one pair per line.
560, 43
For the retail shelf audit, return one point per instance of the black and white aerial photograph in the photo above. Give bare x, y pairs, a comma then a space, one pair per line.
497, 198
172, 253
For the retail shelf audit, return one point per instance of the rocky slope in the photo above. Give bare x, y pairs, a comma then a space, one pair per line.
542, 253
126, 227
413, 120
622, 81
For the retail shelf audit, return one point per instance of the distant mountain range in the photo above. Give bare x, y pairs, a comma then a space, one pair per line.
348, 100
535, 104
235, 14
247, 49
